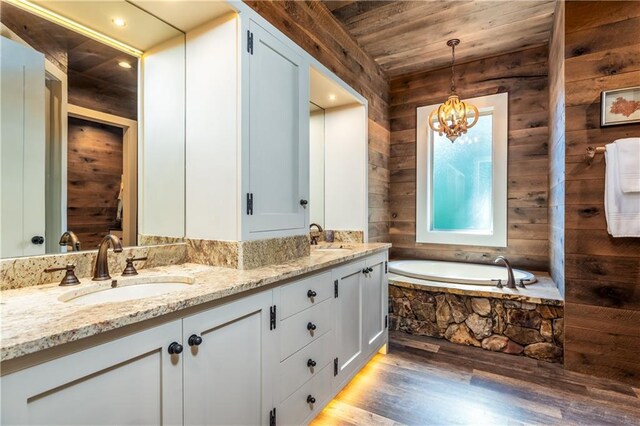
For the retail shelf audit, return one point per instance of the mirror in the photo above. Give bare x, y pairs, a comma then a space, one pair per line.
92, 126
316, 164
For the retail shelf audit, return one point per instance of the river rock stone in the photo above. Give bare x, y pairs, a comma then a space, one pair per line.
512, 304
528, 306
423, 311
460, 334
550, 312
544, 351
395, 292
546, 330
393, 323
481, 306
401, 307
498, 317
513, 348
529, 319
458, 309
443, 312
522, 335
495, 343
558, 331
426, 328
480, 326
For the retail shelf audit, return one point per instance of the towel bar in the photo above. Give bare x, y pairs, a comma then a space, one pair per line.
591, 153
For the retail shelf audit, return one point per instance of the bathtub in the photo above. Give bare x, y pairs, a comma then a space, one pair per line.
455, 272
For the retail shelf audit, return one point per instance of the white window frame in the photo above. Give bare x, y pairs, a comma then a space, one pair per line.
498, 106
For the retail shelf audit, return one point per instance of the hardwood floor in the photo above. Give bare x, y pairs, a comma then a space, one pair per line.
424, 381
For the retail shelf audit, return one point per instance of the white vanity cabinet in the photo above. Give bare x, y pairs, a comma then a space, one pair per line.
247, 150
130, 380
277, 356
227, 358
278, 137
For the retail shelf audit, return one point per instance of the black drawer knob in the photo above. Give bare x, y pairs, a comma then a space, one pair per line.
311, 294
304, 203
311, 326
175, 348
194, 340
311, 400
37, 239
311, 363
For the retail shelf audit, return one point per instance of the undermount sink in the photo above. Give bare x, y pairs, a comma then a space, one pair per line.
332, 247
129, 288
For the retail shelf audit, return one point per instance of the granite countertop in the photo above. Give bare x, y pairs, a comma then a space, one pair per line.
35, 318
544, 291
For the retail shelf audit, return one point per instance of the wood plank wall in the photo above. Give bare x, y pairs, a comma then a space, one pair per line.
93, 178
524, 76
602, 274
556, 148
312, 26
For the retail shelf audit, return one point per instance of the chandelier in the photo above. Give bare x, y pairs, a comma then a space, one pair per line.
453, 115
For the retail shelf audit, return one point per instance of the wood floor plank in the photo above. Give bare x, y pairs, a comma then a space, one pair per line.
425, 381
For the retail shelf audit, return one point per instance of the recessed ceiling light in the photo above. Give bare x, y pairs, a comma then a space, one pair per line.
332, 97
119, 22
124, 64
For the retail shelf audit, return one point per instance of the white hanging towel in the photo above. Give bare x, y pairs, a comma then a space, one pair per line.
629, 164
622, 209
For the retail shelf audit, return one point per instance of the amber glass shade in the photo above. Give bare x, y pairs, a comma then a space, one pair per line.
453, 118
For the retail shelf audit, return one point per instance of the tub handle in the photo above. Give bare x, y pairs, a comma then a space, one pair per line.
499, 285
521, 283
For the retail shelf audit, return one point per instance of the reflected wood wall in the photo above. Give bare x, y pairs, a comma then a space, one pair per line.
523, 75
312, 26
93, 180
602, 274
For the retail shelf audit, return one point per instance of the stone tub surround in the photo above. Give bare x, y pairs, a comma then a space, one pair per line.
247, 254
152, 240
497, 324
29, 271
34, 319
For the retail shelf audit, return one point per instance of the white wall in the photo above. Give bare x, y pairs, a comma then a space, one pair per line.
346, 168
316, 167
212, 131
162, 154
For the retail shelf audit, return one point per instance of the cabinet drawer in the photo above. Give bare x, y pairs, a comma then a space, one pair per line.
295, 410
295, 371
296, 296
295, 333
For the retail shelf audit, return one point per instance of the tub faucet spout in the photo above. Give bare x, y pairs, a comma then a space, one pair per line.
511, 281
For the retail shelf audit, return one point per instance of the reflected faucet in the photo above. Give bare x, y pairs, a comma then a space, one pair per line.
314, 238
511, 281
69, 238
101, 269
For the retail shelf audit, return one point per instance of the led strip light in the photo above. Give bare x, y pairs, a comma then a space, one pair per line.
75, 26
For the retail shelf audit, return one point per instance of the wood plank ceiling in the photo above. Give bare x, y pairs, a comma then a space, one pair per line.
407, 36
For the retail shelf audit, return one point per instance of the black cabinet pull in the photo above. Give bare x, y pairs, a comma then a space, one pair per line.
194, 340
37, 239
311, 400
311, 363
367, 270
304, 203
311, 326
311, 294
175, 348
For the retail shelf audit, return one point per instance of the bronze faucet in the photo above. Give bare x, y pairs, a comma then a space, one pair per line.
101, 269
511, 281
314, 238
69, 238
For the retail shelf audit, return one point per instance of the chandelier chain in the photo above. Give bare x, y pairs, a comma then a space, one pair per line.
453, 69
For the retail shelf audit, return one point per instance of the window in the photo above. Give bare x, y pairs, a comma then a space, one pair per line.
462, 186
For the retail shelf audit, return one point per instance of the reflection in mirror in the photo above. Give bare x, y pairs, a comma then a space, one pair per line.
316, 164
70, 118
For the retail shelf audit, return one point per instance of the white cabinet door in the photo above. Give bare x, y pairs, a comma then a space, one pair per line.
22, 150
278, 135
349, 335
375, 302
129, 381
228, 374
